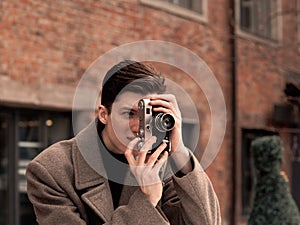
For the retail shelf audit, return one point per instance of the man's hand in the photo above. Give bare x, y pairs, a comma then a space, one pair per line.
167, 103
146, 168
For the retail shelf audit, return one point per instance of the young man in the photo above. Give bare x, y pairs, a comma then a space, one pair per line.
85, 180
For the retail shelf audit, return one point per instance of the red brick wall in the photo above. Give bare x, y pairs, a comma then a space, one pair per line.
262, 74
262, 70
45, 41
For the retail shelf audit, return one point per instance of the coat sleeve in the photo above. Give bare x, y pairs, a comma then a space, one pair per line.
190, 199
52, 205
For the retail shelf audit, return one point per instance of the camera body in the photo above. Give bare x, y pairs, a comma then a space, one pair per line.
153, 124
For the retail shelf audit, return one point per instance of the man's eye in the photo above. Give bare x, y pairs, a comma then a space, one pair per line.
125, 113
128, 113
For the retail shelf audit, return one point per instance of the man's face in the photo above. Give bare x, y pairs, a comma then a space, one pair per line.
123, 122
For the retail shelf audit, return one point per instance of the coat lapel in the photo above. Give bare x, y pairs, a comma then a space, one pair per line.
95, 188
127, 192
100, 201
94, 185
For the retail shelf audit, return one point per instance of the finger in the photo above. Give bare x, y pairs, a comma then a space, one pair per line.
160, 102
144, 150
163, 110
160, 162
165, 97
164, 104
129, 156
141, 157
129, 152
154, 157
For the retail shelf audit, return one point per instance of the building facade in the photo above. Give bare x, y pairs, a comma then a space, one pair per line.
251, 47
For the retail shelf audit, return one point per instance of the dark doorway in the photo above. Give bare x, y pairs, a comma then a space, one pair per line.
24, 133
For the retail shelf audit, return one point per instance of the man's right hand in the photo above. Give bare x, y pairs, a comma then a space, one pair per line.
146, 168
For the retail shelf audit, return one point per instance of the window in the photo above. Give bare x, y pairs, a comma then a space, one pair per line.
259, 17
194, 5
190, 134
190, 9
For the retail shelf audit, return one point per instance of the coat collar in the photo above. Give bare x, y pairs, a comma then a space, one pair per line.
90, 175
87, 160
91, 154
88, 163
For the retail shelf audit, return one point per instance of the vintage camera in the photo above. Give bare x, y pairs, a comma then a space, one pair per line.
153, 124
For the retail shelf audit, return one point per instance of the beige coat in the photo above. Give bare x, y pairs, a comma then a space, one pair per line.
64, 189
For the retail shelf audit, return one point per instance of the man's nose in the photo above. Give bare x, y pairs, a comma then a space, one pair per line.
134, 125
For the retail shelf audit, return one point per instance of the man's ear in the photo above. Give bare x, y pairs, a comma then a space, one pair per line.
102, 114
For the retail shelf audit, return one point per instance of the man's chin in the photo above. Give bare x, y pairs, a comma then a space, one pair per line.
124, 148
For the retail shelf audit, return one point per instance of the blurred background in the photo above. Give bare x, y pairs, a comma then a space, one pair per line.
251, 46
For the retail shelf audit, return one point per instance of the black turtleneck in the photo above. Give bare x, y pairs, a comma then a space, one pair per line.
115, 188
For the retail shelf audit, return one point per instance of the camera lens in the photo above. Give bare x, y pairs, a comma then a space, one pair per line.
164, 122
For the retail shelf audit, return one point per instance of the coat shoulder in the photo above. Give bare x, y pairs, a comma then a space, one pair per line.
57, 157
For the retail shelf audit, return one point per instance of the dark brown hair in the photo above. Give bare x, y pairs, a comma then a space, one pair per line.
130, 76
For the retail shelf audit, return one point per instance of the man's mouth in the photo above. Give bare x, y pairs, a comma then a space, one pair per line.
130, 138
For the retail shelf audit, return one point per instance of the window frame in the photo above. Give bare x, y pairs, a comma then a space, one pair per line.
188, 4
179, 10
275, 37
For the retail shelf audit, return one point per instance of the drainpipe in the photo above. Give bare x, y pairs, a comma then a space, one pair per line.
234, 107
